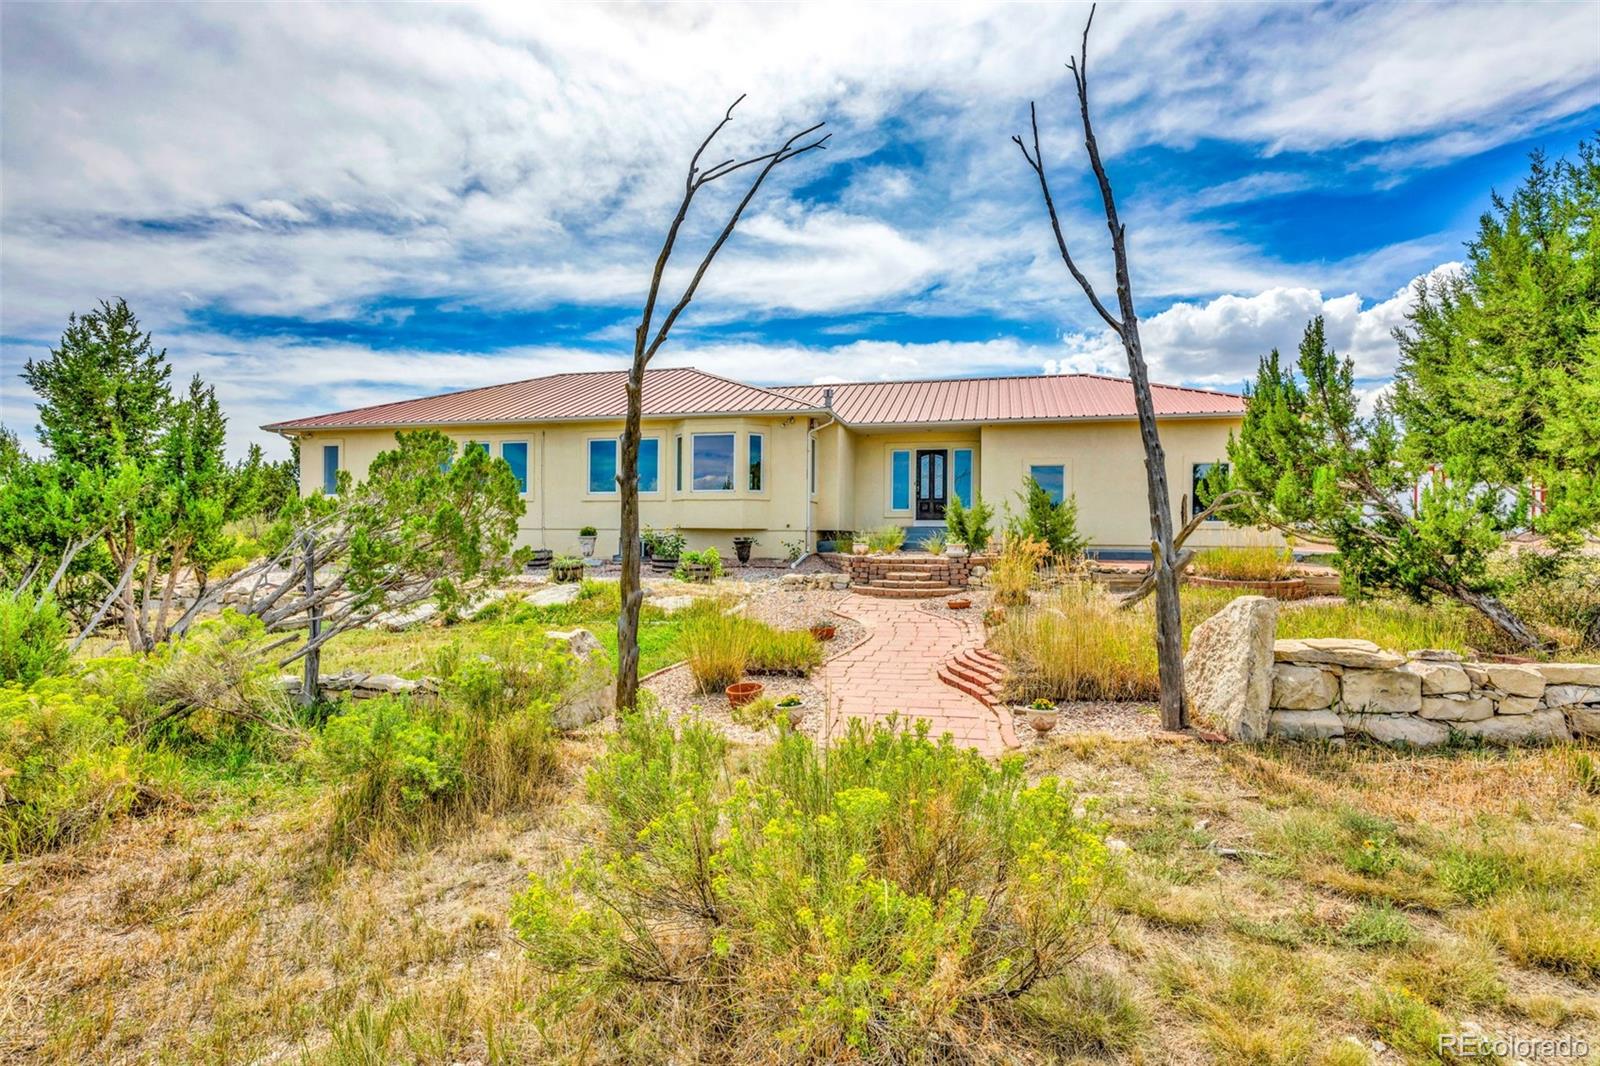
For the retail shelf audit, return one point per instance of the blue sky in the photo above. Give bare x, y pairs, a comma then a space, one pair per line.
316, 207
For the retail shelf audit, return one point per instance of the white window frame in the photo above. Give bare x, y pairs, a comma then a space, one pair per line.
749, 442
588, 467
527, 471
911, 480
322, 474
733, 479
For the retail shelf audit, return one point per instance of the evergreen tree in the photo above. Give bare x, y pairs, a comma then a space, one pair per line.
103, 391
1309, 465
1499, 373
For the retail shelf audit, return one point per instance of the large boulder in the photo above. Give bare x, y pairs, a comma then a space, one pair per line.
1571, 673
1439, 678
1540, 727
1396, 729
1517, 679
591, 695
1339, 651
554, 593
1228, 672
1585, 721
1457, 708
1306, 725
1303, 688
1382, 692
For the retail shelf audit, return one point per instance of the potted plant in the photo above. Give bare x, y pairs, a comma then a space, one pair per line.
586, 539
793, 708
665, 547
699, 566
566, 569
539, 559
742, 546
823, 629
958, 603
955, 549
742, 692
1042, 715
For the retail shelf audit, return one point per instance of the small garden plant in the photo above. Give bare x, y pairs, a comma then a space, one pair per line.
703, 565
886, 539
968, 525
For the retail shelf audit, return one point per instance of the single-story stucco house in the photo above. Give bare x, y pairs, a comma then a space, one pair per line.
721, 458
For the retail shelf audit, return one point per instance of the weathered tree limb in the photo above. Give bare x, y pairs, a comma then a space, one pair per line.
105, 605
1185, 556
1169, 629
645, 347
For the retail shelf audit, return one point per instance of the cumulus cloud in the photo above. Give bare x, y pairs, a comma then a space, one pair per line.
1218, 342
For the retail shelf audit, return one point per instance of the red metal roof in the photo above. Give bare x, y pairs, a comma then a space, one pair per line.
1046, 397
679, 391
564, 397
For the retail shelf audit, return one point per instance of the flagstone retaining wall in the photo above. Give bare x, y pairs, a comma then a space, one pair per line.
1251, 685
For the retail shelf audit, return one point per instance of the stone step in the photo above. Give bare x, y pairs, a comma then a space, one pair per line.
972, 677
907, 582
928, 572
985, 655
901, 593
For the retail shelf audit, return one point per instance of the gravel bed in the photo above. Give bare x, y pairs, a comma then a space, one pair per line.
786, 608
981, 598
1123, 720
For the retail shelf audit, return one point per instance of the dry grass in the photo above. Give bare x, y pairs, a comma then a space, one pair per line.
1260, 562
1252, 924
1077, 646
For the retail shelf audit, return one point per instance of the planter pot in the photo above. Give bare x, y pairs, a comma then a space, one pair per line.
697, 572
795, 714
826, 545
1042, 721
955, 551
540, 559
824, 632
958, 604
586, 545
663, 564
858, 549
566, 574
742, 692
741, 548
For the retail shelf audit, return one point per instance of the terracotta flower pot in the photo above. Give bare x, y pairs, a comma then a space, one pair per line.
958, 604
742, 692
824, 632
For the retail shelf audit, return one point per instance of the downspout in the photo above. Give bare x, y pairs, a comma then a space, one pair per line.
811, 443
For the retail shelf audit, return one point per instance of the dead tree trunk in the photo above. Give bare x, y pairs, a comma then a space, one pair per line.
309, 689
1169, 629
647, 340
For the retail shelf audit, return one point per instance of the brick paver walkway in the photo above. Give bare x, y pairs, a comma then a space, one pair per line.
894, 670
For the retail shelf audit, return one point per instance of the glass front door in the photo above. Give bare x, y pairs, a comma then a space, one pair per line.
932, 484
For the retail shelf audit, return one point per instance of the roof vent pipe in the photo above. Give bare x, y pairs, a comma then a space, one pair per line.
827, 399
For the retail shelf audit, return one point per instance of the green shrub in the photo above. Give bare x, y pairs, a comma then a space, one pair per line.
886, 539
33, 637
1053, 524
933, 543
857, 905
67, 767
1378, 925
971, 526
226, 567
402, 768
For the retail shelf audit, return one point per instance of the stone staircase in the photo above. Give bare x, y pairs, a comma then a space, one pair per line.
978, 672
904, 578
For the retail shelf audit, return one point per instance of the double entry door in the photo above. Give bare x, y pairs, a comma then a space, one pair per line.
933, 484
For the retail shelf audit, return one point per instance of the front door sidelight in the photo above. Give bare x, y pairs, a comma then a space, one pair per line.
932, 484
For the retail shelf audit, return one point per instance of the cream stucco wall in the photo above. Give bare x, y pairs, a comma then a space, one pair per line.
1104, 464
559, 502
1105, 470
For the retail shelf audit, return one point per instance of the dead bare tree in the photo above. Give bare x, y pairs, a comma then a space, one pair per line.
1184, 556
645, 346
1125, 324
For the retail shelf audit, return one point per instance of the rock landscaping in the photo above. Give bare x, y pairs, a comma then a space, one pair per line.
1252, 686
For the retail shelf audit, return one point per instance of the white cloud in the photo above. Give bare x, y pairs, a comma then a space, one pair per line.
1220, 341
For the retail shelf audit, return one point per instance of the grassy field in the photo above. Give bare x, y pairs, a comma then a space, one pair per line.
1269, 905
